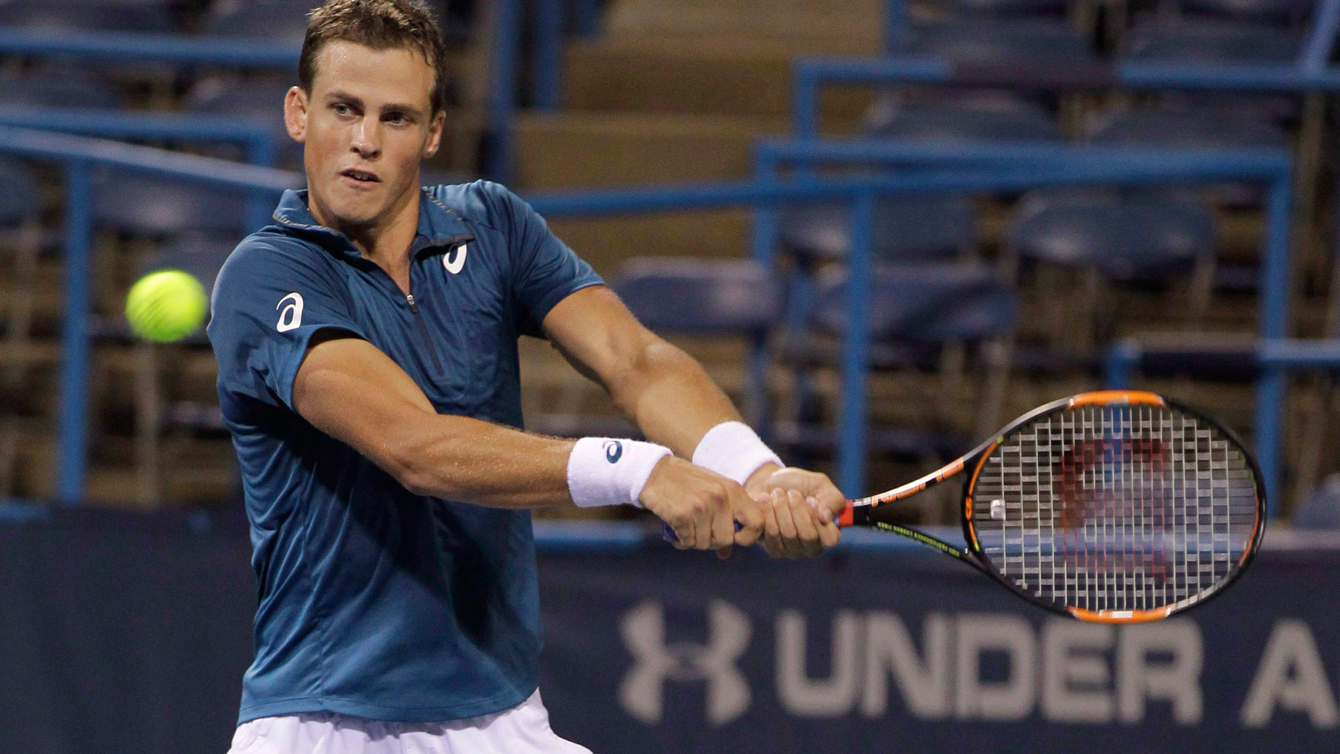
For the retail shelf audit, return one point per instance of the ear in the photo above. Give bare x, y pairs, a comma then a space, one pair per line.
434, 135
295, 114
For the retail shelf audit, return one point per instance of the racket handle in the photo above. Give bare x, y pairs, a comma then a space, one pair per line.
842, 519
669, 535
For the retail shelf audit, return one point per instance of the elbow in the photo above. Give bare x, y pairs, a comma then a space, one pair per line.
416, 482
654, 360
404, 462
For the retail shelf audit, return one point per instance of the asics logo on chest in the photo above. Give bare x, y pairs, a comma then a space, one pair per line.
454, 260
291, 317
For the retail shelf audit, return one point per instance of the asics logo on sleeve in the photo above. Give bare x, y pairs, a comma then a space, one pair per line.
454, 260
613, 451
291, 317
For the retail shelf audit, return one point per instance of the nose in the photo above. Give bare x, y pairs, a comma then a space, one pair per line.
367, 138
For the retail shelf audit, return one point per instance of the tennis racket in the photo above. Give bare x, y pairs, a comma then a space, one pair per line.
1112, 506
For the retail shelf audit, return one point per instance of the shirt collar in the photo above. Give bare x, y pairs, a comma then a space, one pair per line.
439, 227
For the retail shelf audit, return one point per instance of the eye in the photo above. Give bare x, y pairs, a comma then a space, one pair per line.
341, 108
397, 119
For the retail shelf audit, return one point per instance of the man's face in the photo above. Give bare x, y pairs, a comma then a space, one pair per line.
366, 125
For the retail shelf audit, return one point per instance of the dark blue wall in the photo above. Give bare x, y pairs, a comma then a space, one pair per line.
129, 633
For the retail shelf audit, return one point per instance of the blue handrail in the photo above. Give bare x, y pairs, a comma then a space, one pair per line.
127, 46
79, 153
811, 74
1276, 357
1104, 166
1005, 166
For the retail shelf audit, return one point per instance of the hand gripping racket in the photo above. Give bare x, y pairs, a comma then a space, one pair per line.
1114, 507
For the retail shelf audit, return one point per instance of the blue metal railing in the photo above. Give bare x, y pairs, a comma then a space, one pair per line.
1035, 164
1276, 358
812, 74
78, 154
1117, 167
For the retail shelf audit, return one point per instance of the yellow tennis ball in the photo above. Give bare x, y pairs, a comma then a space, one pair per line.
166, 306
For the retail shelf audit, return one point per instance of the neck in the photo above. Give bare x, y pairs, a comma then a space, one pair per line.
385, 240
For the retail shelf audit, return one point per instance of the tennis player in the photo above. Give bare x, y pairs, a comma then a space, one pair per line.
368, 372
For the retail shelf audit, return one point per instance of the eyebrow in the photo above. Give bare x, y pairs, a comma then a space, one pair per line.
392, 107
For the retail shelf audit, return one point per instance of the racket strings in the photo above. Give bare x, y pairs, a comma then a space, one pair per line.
1116, 507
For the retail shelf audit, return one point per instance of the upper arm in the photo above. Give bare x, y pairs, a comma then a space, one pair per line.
347, 388
598, 335
270, 300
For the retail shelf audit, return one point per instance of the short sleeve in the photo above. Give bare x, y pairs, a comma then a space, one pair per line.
269, 300
544, 270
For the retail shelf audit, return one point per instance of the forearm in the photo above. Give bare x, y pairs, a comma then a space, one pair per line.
670, 398
459, 458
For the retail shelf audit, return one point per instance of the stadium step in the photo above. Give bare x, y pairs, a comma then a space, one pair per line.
804, 24
700, 76
593, 150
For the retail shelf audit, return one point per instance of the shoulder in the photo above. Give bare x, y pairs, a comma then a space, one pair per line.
267, 252
482, 203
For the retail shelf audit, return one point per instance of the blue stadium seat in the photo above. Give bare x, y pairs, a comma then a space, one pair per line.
1287, 11
1192, 127
1320, 511
1134, 238
63, 16
21, 200
53, 88
1107, 237
685, 296
922, 304
1006, 7
916, 313
262, 99
700, 296
1209, 42
992, 40
142, 206
281, 21
1185, 40
1183, 127
948, 122
906, 229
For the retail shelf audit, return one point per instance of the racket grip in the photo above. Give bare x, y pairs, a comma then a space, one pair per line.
669, 535
842, 519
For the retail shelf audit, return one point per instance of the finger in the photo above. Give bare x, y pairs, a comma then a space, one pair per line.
785, 523
829, 533
772, 533
723, 520
803, 515
702, 526
724, 553
745, 510
684, 537
831, 500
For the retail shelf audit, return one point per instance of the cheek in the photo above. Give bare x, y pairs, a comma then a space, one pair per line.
324, 142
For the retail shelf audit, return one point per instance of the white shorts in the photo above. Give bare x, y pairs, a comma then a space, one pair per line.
524, 729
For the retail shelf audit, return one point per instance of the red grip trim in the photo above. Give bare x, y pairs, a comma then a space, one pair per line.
845, 518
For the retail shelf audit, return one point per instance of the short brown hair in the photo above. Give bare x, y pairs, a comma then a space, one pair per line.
381, 25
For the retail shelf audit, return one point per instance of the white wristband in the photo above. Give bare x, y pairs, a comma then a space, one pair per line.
734, 451
609, 471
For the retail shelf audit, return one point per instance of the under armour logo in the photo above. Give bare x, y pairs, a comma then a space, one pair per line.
454, 260
642, 690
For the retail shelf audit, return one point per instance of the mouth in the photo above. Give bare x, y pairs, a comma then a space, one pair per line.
360, 176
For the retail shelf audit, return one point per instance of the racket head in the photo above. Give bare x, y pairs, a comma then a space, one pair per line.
1114, 507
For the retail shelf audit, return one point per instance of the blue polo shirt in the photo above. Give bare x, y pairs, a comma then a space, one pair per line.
375, 602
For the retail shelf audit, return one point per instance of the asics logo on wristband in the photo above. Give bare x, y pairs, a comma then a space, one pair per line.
613, 451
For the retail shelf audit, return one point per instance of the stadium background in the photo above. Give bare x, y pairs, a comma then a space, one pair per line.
1014, 199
